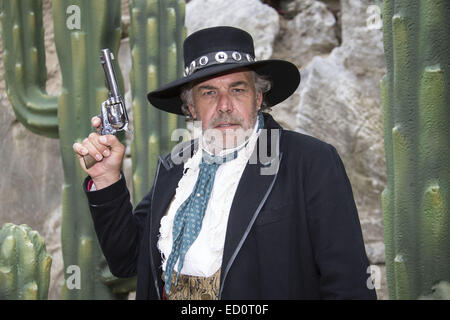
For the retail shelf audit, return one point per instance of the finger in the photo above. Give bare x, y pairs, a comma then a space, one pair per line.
79, 149
94, 139
96, 122
112, 142
92, 150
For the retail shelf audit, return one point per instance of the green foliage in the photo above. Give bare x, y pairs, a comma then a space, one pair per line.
25, 71
24, 264
416, 96
156, 36
441, 291
82, 94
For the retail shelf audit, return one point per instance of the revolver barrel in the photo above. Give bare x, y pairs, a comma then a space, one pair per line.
106, 61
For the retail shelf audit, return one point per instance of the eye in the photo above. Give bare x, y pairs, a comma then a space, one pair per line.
238, 90
208, 92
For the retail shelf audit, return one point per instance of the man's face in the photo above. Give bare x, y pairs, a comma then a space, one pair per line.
227, 104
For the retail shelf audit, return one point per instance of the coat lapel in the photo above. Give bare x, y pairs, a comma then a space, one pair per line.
165, 186
166, 181
251, 194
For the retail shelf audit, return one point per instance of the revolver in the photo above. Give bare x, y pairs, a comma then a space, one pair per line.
114, 114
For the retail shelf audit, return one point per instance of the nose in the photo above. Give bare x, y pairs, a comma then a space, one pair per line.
224, 103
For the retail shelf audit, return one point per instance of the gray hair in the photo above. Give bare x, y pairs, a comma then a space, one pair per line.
262, 84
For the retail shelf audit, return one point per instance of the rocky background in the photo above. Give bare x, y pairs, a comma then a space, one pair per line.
336, 44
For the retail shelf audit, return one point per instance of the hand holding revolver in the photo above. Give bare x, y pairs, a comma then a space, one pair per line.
107, 150
101, 154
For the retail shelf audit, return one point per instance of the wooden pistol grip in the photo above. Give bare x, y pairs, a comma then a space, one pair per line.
89, 161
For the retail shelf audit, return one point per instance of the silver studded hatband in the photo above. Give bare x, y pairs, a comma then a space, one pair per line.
215, 58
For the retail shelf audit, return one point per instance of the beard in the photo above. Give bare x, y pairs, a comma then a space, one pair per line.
217, 140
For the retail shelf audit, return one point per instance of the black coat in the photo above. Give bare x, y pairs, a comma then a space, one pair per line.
294, 234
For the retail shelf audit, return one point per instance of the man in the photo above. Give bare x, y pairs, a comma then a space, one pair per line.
247, 210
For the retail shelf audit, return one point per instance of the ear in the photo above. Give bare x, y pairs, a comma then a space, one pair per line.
192, 111
259, 99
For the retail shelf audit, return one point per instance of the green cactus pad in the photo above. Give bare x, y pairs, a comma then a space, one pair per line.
156, 38
24, 264
416, 114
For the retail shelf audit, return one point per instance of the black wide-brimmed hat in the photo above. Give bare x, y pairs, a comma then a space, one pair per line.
219, 50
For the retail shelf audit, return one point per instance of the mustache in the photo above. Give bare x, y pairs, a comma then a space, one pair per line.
226, 118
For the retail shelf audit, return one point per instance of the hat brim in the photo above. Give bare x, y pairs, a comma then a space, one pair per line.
284, 75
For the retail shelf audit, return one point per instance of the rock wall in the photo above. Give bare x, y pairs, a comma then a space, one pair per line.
341, 62
340, 102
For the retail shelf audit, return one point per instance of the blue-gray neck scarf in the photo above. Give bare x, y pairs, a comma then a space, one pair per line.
189, 216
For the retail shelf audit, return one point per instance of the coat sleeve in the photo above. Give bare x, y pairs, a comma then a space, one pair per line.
335, 229
118, 228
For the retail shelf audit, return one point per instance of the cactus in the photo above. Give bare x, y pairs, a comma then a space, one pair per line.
24, 264
83, 90
440, 291
156, 36
25, 71
81, 97
416, 99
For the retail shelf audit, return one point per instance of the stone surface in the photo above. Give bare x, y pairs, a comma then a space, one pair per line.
52, 235
362, 43
344, 110
258, 19
381, 286
375, 252
310, 33
341, 104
